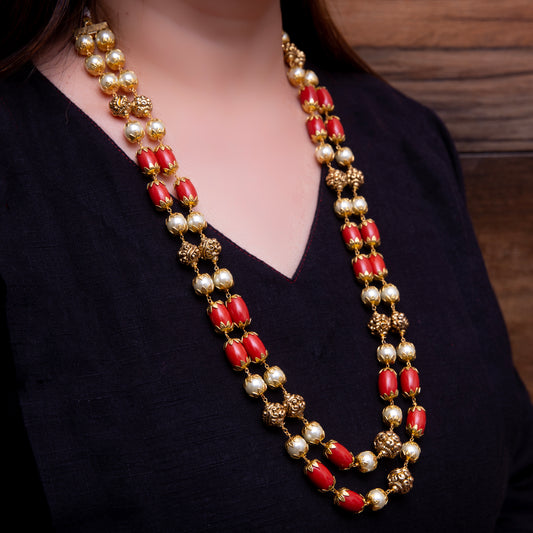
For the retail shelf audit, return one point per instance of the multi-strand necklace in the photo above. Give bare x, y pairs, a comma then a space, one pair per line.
243, 348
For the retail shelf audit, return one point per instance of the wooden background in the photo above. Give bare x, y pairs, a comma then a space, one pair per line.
472, 62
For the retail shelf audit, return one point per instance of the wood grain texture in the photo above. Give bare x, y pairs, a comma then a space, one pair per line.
500, 200
469, 60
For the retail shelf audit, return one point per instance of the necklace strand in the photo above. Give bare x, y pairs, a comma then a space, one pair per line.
359, 233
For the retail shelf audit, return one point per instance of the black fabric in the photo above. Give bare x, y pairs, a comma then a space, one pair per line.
134, 417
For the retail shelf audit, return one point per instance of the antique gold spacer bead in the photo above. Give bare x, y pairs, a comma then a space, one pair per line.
390, 293
105, 40
95, 65
313, 433
344, 156
84, 45
370, 295
392, 415
296, 447
366, 461
155, 129
133, 131
296, 76
203, 284
386, 354
128, 81
141, 106
115, 59
223, 279
176, 224
410, 451
196, 221
274, 377
109, 83
324, 153
254, 385
406, 351
377, 499
400, 480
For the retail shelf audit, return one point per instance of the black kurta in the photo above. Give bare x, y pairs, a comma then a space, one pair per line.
134, 417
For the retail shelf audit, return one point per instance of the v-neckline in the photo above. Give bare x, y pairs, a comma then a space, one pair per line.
220, 234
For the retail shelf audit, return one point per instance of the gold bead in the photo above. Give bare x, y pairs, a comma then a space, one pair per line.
95, 65
295, 405
115, 59
108, 83
379, 324
155, 129
209, 248
400, 480
141, 106
188, 254
84, 45
387, 444
399, 322
120, 106
133, 131
336, 179
128, 81
274, 414
105, 40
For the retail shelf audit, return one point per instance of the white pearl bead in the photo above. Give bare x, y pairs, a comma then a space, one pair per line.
84, 45
390, 293
386, 354
274, 376
223, 279
203, 284
406, 351
196, 221
133, 130
296, 76
254, 385
344, 156
176, 223
296, 447
370, 295
313, 433
128, 80
105, 40
310, 78
359, 205
378, 499
156, 129
366, 461
411, 451
95, 65
115, 59
324, 153
343, 207
392, 415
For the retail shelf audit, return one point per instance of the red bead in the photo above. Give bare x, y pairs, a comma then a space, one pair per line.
159, 195
236, 354
254, 346
370, 232
238, 310
186, 192
387, 384
220, 317
325, 101
319, 475
308, 98
147, 161
351, 236
409, 381
378, 265
335, 129
316, 129
338, 455
362, 268
166, 159
416, 420
349, 500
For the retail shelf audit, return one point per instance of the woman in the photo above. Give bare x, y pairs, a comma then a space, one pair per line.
133, 415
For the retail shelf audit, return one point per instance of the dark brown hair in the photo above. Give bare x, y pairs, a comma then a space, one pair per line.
32, 25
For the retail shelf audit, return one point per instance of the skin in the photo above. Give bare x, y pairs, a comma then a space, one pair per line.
215, 73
